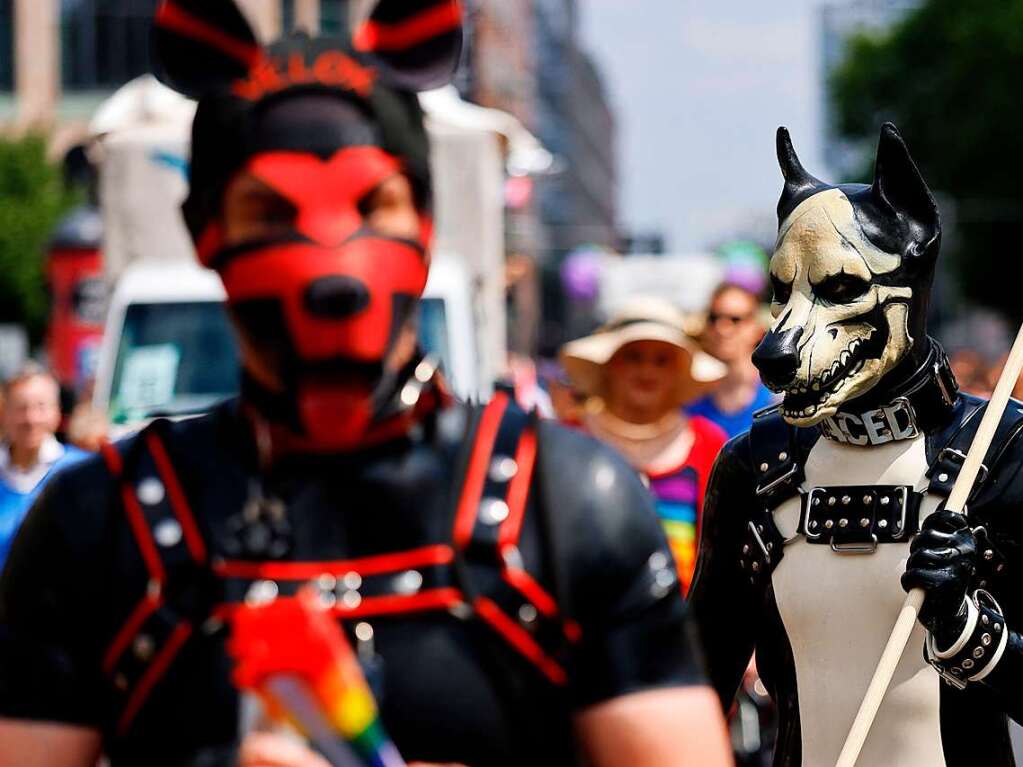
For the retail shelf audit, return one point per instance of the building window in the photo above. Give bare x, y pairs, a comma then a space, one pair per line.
6, 45
104, 43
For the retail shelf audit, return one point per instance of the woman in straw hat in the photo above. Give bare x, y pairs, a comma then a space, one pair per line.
639, 369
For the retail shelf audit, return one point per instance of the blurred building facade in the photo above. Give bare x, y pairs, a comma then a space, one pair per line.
576, 122
525, 57
60, 58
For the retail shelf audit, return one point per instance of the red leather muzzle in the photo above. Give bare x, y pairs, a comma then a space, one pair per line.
346, 301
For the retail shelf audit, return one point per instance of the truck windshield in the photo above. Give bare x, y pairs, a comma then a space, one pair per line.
433, 331
174, 359
182, 358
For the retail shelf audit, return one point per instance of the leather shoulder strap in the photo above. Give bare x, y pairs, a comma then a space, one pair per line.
495, 493
777, 458
945, 468
170, 545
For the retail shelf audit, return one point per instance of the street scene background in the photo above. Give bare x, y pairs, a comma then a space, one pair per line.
590, 151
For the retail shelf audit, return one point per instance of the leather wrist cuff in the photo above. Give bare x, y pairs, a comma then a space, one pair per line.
979, 647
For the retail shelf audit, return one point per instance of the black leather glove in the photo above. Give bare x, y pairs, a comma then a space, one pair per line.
942, 562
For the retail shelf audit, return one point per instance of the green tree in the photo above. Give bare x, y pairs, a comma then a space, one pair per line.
33, 198
949, 76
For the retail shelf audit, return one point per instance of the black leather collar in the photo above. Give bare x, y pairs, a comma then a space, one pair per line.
922, 405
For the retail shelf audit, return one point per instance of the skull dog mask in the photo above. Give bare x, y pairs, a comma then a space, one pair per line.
851, 272
325, 302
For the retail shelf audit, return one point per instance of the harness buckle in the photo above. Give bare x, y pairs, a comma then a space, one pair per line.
855, 548
805, 521
904, 495
958, 682
760, 542
903, 404
792, 470
947, 394
960, 458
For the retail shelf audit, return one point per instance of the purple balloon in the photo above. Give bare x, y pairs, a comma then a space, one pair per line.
580, 275
751, 277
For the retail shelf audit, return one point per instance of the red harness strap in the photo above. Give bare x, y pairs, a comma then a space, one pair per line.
179, 503
131, 628
472, 536
520, 639
307, 571
518, 491
292, 575
136, 519
476, 474
161, 662
146, 644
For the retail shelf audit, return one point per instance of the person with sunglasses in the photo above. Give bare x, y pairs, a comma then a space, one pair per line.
732, 331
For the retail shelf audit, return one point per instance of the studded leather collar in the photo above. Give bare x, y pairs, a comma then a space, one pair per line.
923, 404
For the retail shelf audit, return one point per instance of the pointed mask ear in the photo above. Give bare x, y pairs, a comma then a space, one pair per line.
797, 180
900, 188
417, 43
202, 45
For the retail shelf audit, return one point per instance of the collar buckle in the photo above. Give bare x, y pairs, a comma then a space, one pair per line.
945, 387
903, 404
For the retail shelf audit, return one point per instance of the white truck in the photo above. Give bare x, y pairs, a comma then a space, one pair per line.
168, 348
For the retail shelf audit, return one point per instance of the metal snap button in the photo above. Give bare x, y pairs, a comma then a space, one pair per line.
503, 468
150, 491
493, 511
167, 533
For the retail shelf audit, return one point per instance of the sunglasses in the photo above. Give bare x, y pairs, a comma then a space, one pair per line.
733, 319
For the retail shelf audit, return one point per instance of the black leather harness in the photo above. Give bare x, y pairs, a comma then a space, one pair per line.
478, 574
854, 519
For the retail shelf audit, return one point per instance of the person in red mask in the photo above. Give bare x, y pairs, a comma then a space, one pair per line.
503, 616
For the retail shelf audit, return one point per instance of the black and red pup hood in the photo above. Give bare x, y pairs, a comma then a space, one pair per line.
206, 50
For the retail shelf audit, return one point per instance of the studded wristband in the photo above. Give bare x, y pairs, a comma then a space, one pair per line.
978, 648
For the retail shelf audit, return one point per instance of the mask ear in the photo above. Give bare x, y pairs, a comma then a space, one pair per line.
417, 43
900, 188
797, 181
202, 45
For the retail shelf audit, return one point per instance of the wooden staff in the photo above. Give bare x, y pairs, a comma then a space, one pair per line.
911, 608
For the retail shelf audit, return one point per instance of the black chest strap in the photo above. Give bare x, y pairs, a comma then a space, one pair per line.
993, 564
778, 475
854, 519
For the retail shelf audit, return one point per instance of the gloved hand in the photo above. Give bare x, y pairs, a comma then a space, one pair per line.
942, 562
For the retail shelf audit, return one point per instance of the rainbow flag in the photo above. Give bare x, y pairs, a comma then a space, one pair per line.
292, 651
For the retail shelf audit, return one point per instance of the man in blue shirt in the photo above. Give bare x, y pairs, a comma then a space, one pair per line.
733, 330
30, 453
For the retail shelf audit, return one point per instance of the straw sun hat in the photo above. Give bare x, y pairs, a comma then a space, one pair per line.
641, 319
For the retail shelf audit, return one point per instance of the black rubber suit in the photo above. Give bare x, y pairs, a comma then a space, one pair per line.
974, 726
451, 689
852, 276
